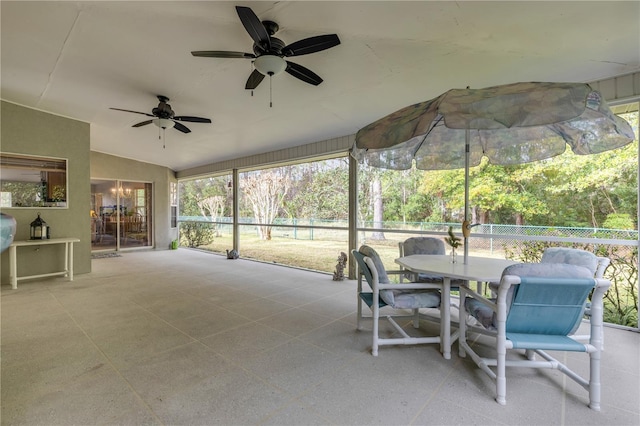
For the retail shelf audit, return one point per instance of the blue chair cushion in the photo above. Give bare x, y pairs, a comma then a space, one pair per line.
487, 317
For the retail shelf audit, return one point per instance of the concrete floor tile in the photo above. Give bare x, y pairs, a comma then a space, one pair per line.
232, 397
172, 371
246, 341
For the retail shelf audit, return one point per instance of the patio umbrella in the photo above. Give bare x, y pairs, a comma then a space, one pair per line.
509, 124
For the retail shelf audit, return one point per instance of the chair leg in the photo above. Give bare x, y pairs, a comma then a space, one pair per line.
376, 318
416, 318
594, 380
359, 318
501, 379
462, 327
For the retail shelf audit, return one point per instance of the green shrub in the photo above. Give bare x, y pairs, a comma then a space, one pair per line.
195, 234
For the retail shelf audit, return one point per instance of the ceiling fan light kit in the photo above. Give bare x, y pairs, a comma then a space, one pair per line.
163, 123
270, 64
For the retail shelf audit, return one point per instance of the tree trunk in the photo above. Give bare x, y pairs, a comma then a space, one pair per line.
376, 193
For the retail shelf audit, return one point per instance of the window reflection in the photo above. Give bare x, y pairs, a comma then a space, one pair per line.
28, 181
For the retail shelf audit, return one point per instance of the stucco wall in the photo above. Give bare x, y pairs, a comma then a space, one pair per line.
104, 166
32, 132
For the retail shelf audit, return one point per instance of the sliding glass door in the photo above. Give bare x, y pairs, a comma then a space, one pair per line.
121, 215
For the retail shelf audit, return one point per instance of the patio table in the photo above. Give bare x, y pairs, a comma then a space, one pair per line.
480, 269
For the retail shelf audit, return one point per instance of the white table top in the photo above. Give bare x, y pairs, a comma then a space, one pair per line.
484, 269
47, 241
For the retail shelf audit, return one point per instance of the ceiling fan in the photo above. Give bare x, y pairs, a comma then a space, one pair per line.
165, 118
269, 52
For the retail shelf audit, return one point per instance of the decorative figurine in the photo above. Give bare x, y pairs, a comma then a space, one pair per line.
338, 274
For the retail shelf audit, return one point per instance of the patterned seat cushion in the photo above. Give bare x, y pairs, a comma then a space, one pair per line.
427, 245
400, 299
571, 256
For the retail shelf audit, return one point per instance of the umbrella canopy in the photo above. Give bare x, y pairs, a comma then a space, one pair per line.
509, 124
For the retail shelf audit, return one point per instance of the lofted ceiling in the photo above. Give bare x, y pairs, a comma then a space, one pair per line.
78, 59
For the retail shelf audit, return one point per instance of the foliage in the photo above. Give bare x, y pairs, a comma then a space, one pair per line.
618, 221
319, 190
24, 193
195, 234
568, 190
621, 301
194, 192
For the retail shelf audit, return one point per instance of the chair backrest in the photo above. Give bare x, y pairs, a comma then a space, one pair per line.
369, 252
365, 267
572, 256
421, 245
550, 299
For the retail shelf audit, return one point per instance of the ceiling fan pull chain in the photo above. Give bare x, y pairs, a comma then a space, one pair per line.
270, 92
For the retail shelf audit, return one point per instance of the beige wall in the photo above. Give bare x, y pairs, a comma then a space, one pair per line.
104, 166
32, 132
28, 131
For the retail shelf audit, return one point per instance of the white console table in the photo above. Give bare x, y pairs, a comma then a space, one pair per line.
68, 258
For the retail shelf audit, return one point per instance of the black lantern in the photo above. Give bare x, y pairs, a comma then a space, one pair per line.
39, 229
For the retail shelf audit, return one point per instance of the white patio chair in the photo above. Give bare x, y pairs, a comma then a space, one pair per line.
538, 308
398, 297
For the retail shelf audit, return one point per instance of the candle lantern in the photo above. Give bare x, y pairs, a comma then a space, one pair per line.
39, 229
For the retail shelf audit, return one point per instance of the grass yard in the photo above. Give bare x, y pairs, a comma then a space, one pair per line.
317, 255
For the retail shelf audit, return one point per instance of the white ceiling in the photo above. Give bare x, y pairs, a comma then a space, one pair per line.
77, 59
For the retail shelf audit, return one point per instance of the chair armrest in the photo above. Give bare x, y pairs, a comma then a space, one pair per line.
396, 272
497, 306
409, 286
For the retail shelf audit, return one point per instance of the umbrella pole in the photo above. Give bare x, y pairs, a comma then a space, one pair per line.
466, 194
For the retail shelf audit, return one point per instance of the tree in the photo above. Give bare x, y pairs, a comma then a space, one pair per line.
214, 206
265, 192
319, 190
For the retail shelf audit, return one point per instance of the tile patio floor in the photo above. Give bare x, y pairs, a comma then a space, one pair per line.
190, 338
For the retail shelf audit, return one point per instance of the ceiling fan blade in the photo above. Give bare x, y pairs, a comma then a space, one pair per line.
302, 73
254, 27
192, 119
255, 78
181, 127
143, 123
311, 45
222, 54
135, 112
